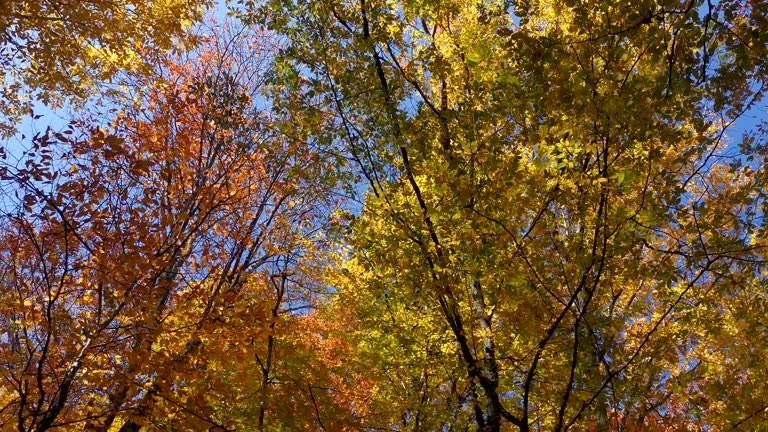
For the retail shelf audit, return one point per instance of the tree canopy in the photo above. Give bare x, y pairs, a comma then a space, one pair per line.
54, 50
442, 215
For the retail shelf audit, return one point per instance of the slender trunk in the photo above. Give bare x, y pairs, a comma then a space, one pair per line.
60, 398
266, 366
489, 378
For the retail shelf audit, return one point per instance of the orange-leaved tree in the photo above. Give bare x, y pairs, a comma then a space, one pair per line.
148, 264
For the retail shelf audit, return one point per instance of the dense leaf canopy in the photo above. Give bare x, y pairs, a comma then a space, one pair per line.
55, 50
442, 215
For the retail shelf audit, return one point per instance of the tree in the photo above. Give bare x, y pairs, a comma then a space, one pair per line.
556, 233
149, 264
52, 50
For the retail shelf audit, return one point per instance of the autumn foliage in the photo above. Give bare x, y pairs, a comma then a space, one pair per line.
374, 215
